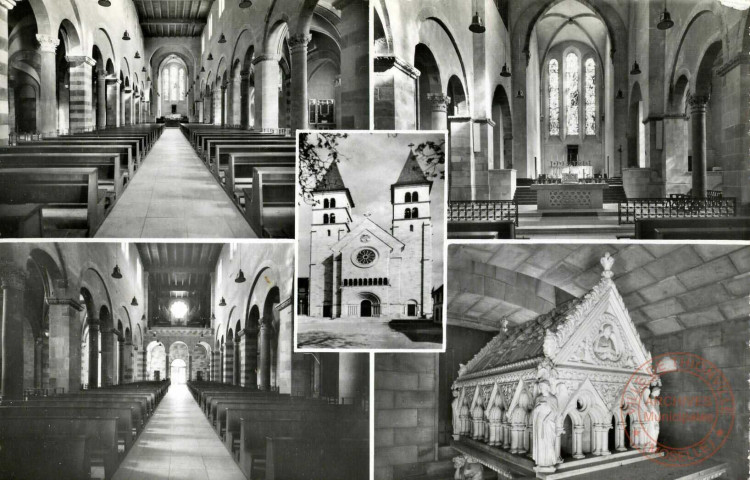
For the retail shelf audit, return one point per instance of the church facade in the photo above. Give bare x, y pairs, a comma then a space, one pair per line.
360, 268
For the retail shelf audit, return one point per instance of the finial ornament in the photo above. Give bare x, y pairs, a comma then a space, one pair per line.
607, 261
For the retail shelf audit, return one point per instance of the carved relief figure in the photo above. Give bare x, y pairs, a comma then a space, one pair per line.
496, 421
456, 406
605, 345
652, 419
477, 419
467, 469
544, 421
465, 420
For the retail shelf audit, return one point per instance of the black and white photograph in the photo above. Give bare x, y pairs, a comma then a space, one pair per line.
370, 233
591, 119
582, 361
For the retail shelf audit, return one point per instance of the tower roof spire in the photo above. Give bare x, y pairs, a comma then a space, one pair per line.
412, 173
332, 182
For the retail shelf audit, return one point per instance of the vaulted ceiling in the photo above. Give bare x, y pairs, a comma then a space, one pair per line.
666, 288
571, 21
173, 18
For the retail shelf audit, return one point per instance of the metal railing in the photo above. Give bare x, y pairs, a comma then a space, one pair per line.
676, 206
483, 211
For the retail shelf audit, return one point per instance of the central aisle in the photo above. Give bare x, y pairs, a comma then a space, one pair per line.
178, 443
173, 195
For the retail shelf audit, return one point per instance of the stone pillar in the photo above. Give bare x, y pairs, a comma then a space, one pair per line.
114, 102
5, 5
352, 376
698, 132
267, 84
94, 366
228, 361
108, 357
133, 103
81, 94
166, 366
354, 104
127, 362
395, 88
101, 100
144, 365
120, 360
245, 99
64, 344
298, 50
38, 344
190, 367
265, 355
12, 283
620, 438
236, 96
284, 347
578, 441
250, 357
215, 370
439, 108
48, 88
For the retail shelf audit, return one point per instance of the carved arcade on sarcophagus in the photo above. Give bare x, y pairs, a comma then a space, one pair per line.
566, 390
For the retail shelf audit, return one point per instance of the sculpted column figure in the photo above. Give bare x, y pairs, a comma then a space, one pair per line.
298, 48
698, 135
544, 419
48, 88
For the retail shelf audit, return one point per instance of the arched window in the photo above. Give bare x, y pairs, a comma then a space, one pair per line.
571, 86
165, 84
407, 213
325, 218
414, 213
333, 218
369, 282
411, 228
554, 97
590, 96
415, 197
360, 282
333, 203
325, 203
173, 74
181, 81
407, 198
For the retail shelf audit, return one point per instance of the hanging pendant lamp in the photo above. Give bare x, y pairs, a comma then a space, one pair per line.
116, 272
222, 39
134, 302
246, 4
105, 3
137, 55
504, 72
619, 96
519, 94
477, 26
665, 19
210, 57
203, 69
143, 70
636, 70
126, 36
223, 303
240, 275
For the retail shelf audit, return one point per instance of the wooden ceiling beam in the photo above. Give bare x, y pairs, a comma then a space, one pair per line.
153, 22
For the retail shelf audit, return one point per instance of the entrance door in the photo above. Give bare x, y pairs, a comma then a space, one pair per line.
178, 372
411, 310
365, 308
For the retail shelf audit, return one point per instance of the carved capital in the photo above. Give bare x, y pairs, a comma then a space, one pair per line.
439, 101
384, 63
12, 276
267, 57
47, 43
80, 60
698, 102
299, 42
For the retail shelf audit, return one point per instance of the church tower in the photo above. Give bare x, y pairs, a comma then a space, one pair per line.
331, 220
412, 225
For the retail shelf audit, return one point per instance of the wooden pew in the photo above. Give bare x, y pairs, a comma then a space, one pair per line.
101, 433
216, 144
213, 402
239, 171
270, 211
496, 229
62, 457
133, 145
727, 228
125, 152
224, 151
59, 188
112, 176
289, 458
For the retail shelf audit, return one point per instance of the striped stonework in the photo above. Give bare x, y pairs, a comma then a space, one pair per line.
215, 368
249, 354
5, 5
144, 365
228, 362
81, 93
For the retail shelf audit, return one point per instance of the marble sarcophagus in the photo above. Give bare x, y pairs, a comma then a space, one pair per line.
567, 387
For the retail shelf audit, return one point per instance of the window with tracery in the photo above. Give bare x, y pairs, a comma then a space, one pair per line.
590, 96
174, 72
181, 85
571, 85
554, 98
165, 84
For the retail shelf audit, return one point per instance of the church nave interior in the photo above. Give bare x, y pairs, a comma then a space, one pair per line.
98, 96
577, 118
169, 360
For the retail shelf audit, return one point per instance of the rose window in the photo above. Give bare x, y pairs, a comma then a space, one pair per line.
366, 256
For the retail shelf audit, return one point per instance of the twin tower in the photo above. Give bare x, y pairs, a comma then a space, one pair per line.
360, 269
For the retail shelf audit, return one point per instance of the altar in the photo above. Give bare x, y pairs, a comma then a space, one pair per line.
563, 197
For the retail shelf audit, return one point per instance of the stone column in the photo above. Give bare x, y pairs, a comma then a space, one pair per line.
698, 132
354, 104
12, 283
352, 376
127, 361
578, 441
236, 96
114, 102
245, 100
249, 353
101, 100
108, 356
228, 361
38, 344
5, 5
166, 366
64, 344
144, 365
298, 50
81, 94
223, 108
620, 438
48, 88
265, 355
395, 105
439, 108
267, 84
120, 360
132, 102
190, 367
215, 366
94, 366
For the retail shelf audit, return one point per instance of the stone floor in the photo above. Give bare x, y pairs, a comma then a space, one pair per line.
354, 333
173, 195
178, 443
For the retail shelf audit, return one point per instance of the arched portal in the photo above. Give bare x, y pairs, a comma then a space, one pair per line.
369, 305
156, 358
178, 371
503, 135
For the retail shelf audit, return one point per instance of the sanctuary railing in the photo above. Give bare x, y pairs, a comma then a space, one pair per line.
628, 211
483, 211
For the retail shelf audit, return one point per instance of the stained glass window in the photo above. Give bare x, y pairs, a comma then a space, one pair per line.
165, 84
571, 85
590, 96
554, 98
173, 78
181, 85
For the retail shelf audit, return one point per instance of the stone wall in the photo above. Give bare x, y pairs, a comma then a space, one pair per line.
405, 414
724, 345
